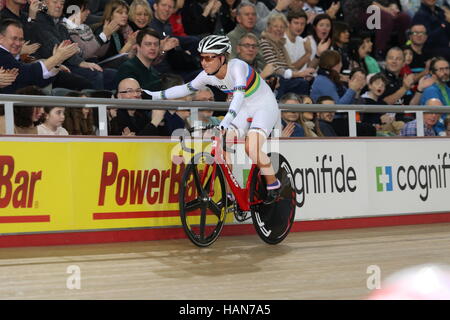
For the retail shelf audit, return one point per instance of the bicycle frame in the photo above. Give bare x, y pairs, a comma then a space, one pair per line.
241, 194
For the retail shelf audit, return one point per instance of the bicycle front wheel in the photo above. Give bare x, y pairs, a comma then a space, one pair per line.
203, 200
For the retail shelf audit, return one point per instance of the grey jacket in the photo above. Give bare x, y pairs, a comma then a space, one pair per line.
49, 33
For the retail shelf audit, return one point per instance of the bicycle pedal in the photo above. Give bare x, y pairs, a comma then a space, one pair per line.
242, 216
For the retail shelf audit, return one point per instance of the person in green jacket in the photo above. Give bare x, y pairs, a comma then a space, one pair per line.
140, 67
359, 50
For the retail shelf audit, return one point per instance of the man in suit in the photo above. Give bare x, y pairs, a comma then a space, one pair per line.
40, 73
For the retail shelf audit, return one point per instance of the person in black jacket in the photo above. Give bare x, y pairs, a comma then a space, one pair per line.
22, 11
200, 16
49, 31
437, 24
137, 121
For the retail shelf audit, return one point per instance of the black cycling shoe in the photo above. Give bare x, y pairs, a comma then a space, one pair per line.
272, 196
231, 199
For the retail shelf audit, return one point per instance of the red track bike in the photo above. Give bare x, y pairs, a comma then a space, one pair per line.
204, 203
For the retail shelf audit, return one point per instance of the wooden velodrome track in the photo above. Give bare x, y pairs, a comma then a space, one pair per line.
308, 265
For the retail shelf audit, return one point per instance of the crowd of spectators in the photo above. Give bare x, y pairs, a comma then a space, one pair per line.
309, 52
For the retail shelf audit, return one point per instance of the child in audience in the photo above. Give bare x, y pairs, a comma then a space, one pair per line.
53, 120
376, 84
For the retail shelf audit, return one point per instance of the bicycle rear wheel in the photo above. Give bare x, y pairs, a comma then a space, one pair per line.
274, 221
203, 200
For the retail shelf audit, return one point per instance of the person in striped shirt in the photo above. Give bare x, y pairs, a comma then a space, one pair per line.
272, 47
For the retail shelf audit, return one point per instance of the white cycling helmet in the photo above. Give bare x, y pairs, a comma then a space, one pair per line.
215, 44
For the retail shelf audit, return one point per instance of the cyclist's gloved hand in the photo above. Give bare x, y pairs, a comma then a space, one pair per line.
152, 95
225, 123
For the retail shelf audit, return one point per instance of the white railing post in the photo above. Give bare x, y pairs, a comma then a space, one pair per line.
352, 123
420, 124
278, 128
102, 119
9, 117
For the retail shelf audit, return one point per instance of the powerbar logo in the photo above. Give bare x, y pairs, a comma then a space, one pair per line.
424, 177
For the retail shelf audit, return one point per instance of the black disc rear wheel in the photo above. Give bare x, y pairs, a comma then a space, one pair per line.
273, 221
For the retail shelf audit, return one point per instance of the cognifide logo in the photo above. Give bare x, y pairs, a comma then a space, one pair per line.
423, 177
384, 178
330, 175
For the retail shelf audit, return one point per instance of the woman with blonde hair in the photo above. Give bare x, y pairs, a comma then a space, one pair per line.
140, 15
309, 121
274, 52
298, 124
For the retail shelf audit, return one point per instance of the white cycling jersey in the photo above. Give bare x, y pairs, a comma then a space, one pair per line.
252, 97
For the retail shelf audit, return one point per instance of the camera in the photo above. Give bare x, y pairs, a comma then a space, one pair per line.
42, 7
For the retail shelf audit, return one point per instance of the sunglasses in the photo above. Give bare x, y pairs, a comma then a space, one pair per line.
207, 58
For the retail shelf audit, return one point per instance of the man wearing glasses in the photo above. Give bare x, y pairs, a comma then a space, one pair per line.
247, 50
137, 122
40, 73
420, 63
440, 71
437, 24
246, 22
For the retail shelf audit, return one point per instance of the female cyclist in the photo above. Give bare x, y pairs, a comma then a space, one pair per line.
251, 98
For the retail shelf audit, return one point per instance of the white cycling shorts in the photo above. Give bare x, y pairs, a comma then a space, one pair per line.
263, 118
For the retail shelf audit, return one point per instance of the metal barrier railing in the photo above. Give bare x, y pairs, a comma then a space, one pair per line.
10, 101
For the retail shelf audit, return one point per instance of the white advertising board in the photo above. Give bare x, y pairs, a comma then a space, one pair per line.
338, 178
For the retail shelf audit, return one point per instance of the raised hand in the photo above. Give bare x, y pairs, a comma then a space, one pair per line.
90, 65
127, 132
268, 70
65, 50
323, 46
288, 130
34, 8
307, 73
8, 76
425, 82
216, 7
357, 82
109, 27
169, 43
157, 116
28, 48
333, 10
132, 37
408, 81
